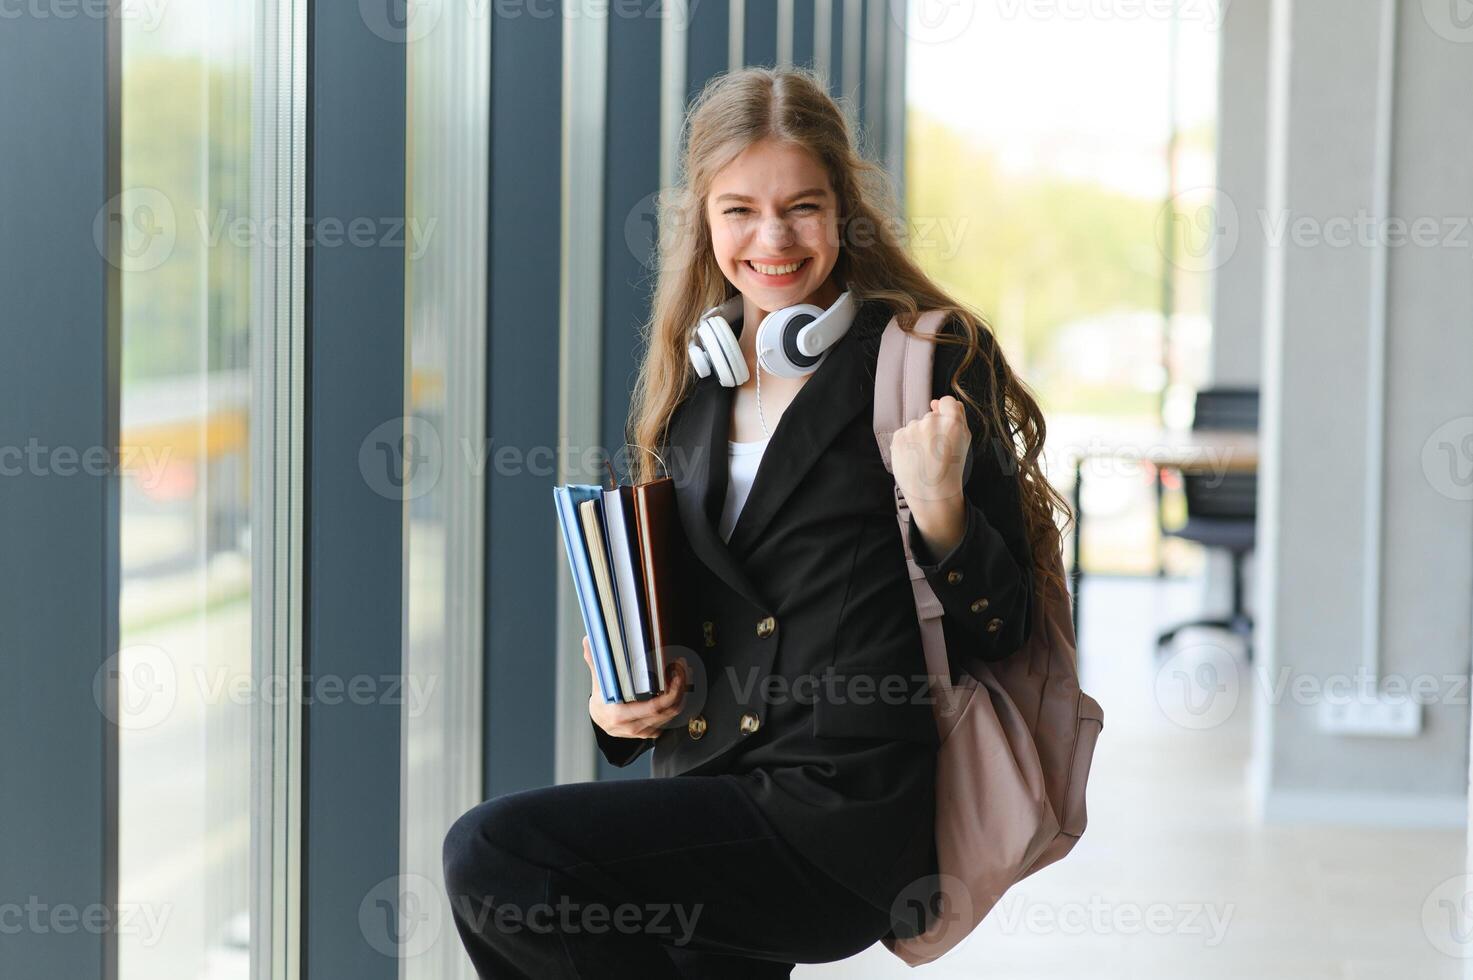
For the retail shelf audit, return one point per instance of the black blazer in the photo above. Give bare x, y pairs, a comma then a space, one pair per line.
810, 661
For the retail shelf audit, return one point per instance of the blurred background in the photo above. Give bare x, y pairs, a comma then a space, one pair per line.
310, 307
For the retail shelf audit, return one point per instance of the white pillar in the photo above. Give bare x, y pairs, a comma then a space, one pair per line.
1366, 519
1242, 180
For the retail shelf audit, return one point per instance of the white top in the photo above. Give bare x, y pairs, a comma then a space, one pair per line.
741, 470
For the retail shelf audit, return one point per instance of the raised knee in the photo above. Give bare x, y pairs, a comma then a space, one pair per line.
463, 854
479, 843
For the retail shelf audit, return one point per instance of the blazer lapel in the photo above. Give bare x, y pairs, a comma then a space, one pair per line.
842, 386
697, 469
822, 407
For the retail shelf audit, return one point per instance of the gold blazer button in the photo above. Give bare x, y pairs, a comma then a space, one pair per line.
954, 576
750, 723
979, 605
994, 624
765, 626
696, 727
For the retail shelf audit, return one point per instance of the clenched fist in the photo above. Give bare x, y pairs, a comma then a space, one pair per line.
928, 456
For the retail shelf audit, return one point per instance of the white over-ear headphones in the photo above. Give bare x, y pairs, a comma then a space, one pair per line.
791, 342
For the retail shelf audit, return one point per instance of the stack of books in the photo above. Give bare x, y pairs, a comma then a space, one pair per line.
624, 551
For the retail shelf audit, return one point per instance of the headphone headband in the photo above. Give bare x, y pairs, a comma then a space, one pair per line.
791, 341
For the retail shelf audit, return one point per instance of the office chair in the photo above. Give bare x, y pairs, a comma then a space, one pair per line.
1222, 510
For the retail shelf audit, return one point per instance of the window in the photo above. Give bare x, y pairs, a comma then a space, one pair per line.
211, 312
1041, 199
445, 267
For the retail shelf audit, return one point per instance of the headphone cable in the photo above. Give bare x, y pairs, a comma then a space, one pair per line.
760, 417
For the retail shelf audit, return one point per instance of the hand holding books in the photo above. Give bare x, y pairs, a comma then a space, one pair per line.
630, 565
638, 719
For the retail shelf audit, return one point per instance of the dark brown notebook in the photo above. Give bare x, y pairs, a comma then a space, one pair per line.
664, 557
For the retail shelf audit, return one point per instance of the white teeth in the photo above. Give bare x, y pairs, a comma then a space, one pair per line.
776, 270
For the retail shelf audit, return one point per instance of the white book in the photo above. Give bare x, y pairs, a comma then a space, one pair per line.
623, 551
598, 554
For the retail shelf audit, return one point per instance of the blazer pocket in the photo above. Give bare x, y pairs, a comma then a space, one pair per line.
873, 704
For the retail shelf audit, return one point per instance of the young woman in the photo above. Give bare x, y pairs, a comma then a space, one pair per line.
790, 817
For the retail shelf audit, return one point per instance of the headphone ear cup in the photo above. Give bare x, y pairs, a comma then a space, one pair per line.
725, 353
711, 348
777, 341
735, 360
699, 359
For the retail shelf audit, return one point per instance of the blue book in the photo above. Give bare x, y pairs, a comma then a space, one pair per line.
567, 500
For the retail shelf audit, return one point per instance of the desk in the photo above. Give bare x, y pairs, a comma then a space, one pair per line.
1191, 450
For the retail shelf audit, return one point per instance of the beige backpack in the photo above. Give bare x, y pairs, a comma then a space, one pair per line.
1017, 736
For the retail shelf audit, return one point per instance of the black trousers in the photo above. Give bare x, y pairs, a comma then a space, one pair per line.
649, 878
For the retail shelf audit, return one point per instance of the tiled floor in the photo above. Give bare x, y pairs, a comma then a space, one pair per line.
1173, 879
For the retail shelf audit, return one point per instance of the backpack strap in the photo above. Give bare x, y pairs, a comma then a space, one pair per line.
903, 377
903, 394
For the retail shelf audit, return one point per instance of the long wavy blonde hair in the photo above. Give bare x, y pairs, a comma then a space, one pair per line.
792, 105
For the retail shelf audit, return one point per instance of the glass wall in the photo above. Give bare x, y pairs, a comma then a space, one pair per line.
1053, 207
445, 286
200, 309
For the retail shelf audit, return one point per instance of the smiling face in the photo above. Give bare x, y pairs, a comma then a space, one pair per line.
775, 226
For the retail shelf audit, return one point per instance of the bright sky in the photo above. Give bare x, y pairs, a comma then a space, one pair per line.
1075, 87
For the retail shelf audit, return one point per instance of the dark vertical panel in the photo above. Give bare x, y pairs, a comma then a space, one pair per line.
58, 499
706, 41
836, 48
860, 93
522, 402
631, 179
872, 88
354, 532
803, 14
759, 36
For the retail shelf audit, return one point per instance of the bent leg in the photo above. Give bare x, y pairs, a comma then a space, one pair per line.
650, 878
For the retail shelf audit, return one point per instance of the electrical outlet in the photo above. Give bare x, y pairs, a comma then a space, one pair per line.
1378, 716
